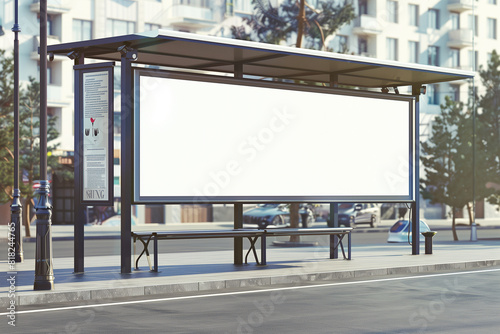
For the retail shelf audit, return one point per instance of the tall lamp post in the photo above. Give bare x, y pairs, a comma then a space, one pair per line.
44, 271
16, 207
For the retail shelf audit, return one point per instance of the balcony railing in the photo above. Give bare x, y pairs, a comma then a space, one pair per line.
366, 25
460, 38
460, 5
53, 6
191, 16
36, 44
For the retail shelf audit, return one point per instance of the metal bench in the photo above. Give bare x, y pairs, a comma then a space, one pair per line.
146, 237
333, 232
251, 234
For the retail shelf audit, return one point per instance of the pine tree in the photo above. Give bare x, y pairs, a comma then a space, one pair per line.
29, 137
6, 128
448, 161
489, 124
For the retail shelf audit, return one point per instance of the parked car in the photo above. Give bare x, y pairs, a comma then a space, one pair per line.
399, 231
276, 214
351, 214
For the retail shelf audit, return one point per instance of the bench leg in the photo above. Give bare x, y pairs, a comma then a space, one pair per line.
135, 254
252, 248
155, 241
145, 244
349, 246
263, 245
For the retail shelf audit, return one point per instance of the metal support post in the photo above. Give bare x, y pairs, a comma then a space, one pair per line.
44, 272
238, 207
238, 241
16, 206
415, 214
128, 55
79, 211
334, 222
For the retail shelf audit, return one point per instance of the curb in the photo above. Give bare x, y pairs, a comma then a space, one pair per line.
96, 295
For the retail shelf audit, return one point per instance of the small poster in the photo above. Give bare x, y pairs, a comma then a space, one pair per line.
96, 135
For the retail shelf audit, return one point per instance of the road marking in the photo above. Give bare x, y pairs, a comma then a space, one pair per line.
251, 291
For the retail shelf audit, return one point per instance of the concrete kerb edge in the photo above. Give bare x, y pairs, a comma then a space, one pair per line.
45, 298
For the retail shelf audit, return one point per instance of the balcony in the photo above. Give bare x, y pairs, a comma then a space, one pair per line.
56, 98
366, 25
53, 6
460, 6
50, 41
191, 17
460, 38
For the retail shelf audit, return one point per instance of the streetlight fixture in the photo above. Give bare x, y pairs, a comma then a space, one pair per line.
16, 208
44, 271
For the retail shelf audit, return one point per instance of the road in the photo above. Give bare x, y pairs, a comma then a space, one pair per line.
112, 246
454, 302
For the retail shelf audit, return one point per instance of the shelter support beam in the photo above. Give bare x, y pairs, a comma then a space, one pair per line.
334, 207
128, 55
415, 214
79, 211
238, 207
334, 222
238, 241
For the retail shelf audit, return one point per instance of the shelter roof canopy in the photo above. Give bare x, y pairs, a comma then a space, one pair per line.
207, 53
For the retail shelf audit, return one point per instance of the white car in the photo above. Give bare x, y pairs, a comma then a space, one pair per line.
351, 214
399, 231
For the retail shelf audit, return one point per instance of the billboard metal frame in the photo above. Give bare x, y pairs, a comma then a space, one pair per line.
138, 199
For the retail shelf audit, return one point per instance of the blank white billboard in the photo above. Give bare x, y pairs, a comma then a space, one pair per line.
200, 141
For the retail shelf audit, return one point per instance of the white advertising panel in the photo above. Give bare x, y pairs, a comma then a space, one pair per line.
200, 141
95, 126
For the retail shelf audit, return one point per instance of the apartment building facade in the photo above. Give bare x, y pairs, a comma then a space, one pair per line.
448, 33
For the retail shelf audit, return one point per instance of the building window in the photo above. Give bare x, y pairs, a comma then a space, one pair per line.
455, 58
50, 77
431, 94
392, 11
339, 44
151, 26
82, 30
414, 51
50, 24
455, 92
492, 28
413, 14
433, 18
455, 21
363, 7
244, 6
362, 46
473, 62
119, 27
392, 49
433, 55
473, 23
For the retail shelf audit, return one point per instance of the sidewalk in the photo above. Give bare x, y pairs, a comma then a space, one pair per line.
205, 271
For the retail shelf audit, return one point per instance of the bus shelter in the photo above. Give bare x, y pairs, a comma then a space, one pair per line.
215, 120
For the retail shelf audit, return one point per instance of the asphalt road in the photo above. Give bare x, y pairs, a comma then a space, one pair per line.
112, 246
454, 302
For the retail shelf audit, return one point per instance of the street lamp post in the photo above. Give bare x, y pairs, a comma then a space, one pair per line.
16, 207
44, 271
